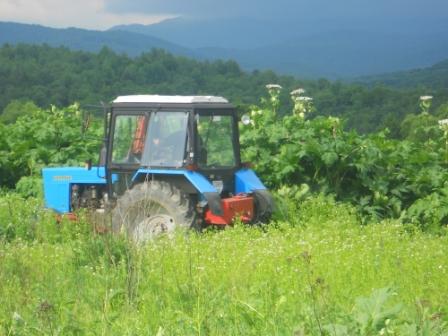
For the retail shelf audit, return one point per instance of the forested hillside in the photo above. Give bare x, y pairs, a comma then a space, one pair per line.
46, 75
433, 77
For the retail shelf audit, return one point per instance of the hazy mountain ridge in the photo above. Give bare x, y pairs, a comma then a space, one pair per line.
433, 77
339, 54
132, 44
335, 50
236, 33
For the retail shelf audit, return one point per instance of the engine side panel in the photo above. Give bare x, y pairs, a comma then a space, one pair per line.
58, 182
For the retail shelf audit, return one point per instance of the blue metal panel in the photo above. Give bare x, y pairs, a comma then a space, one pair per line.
247, 181
197, 180
58, 181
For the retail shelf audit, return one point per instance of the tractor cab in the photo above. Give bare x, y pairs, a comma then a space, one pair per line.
167, 162
175, 132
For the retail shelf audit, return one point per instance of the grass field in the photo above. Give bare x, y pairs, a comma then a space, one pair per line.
318, 273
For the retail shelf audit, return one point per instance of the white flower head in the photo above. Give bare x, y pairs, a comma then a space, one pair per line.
426, 98
297, 92
306, 99
273, 87
443, 122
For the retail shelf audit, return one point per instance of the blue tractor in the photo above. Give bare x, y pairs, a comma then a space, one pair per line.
167, 162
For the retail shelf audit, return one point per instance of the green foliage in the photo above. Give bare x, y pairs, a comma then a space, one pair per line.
374, 315
59, 76
382, 177
430, 211
420, 127
371, 315
43, 138
25, 220
434, 77
16, 109
30, 186
327, 276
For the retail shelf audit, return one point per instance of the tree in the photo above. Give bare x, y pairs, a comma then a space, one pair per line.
15, 109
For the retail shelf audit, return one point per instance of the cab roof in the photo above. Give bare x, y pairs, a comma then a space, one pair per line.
158, 99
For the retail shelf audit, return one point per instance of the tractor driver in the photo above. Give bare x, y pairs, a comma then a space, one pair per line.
166, 139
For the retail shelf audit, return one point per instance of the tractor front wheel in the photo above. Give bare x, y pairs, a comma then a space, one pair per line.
150, 209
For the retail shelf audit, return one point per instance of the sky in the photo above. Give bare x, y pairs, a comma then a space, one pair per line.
289, 9
102, 14
90, 14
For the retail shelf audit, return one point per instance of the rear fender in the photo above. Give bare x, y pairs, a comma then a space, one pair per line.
246, 181
196, 180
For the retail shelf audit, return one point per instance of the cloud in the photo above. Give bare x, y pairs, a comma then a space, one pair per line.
91, 14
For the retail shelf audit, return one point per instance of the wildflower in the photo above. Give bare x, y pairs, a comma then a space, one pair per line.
443, 123
426, 98
297, 92
245, 119
273, 87
425, 103
307, 99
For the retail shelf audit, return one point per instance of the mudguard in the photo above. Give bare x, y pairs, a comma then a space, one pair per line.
199, 182
246, 181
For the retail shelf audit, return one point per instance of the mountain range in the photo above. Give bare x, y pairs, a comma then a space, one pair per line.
285, 47
132, 44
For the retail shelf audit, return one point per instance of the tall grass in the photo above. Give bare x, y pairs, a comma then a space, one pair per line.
320, 272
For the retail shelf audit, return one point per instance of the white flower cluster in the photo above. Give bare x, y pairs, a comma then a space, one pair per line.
297, 92
443, 122
302, 104
425, 103
306, 99
426, 98
273, 87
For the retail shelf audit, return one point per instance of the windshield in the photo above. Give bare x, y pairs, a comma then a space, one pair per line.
166, 139
215, 141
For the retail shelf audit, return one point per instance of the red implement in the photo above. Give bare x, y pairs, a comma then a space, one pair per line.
241, 207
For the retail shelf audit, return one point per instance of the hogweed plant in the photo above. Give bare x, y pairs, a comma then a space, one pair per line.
267, 113
443, 124
425, 103
302, 104
274, 93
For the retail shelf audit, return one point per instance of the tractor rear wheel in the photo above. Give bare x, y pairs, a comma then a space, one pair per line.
150, 209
